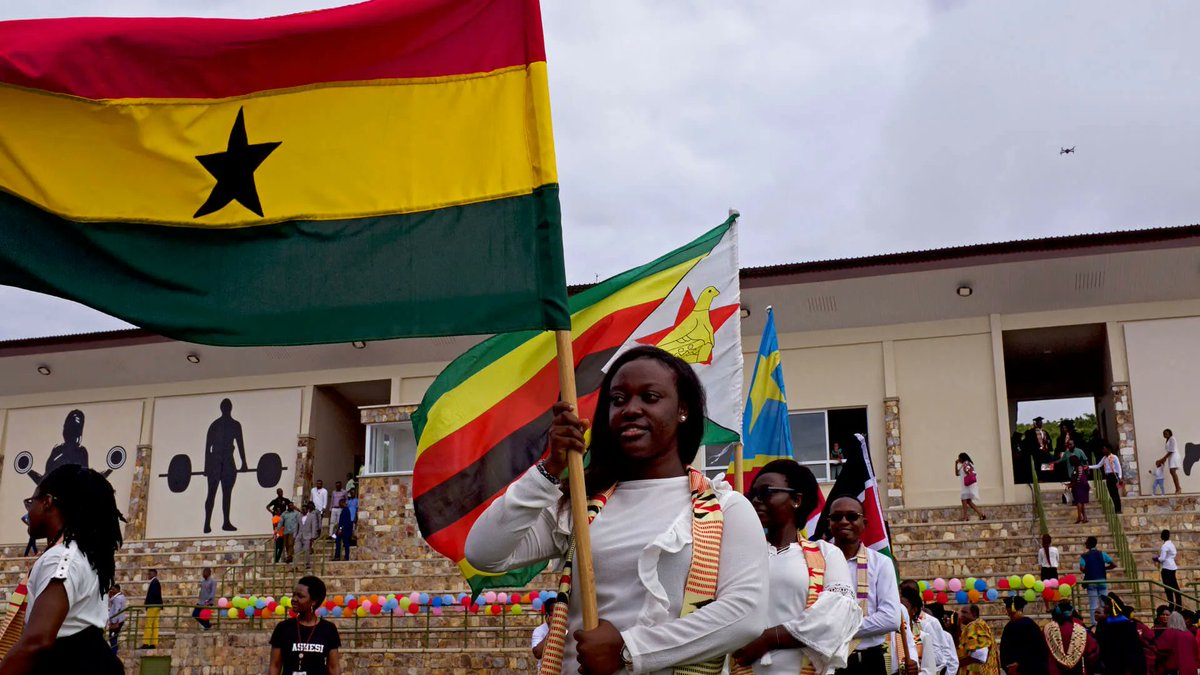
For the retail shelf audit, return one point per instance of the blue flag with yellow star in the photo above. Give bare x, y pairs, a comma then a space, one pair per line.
766, 435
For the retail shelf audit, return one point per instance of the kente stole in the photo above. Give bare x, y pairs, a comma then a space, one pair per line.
14, 620
1070, 656
700, 588
815, 559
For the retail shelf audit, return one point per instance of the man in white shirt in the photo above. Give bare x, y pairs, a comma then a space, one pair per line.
1166, 558
319, 496
881, 606
335, 507
538, 642
117, 603
1112, 475
934, 637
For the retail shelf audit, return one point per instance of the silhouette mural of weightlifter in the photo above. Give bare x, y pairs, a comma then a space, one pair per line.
70, 451
218, 462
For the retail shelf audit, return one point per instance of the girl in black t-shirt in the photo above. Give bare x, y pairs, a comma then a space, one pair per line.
307, 644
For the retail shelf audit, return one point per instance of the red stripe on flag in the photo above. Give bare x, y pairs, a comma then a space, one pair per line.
107, 58
474, 439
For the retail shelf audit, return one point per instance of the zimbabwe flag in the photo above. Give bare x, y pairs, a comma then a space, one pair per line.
372, 171
485, 419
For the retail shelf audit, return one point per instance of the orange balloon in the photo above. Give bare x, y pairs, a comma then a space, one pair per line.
339, 600
973, 595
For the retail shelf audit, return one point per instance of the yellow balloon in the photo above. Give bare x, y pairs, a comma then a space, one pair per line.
360, 612
231, 613
279, 610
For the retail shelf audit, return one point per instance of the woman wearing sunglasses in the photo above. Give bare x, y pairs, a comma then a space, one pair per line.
75, 510
812, 614
657, 526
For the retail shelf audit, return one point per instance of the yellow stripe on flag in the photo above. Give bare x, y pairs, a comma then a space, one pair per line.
347, 150
492, 384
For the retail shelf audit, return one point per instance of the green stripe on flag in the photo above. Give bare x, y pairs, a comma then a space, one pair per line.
490, 267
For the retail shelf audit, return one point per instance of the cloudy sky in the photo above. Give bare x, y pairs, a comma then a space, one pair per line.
837, 129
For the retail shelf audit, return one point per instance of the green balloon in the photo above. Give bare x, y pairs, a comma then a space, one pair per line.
1030, 596
1014, 582
1064, 591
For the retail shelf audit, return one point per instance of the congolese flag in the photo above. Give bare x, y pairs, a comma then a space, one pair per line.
372, 171
485, 419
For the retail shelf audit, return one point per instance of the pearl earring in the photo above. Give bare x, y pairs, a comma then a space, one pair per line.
683, 418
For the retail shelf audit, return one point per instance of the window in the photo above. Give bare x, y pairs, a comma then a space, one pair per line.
391, 448
819, 435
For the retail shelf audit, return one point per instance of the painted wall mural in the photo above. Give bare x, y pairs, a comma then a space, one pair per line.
203, 447
102, 436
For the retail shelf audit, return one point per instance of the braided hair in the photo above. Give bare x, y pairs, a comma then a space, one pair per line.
90, 516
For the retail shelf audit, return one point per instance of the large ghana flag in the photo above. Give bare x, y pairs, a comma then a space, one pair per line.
485, 419
371, 171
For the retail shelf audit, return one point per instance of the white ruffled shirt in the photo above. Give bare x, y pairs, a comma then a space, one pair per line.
826, 628
935, 639
641, 544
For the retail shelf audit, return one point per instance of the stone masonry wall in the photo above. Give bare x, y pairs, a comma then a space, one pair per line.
135, 526
238, 653
895, 471
1126, 440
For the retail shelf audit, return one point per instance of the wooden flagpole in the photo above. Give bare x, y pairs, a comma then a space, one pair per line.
583, 570
739, 469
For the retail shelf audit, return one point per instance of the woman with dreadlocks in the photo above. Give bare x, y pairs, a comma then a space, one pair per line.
657, 527
74, 509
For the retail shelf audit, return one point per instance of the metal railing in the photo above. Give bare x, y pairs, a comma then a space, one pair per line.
1039, 507
455, 628
1115, 527
1144, 593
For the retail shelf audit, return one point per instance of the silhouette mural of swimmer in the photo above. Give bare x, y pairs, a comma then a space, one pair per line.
219, 465
70, 451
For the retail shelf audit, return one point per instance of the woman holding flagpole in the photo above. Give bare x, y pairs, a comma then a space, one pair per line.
812, 613
677, 557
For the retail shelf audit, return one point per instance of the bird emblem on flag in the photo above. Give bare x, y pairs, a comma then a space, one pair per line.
691, 336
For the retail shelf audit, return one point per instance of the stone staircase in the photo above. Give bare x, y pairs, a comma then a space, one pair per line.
931, 543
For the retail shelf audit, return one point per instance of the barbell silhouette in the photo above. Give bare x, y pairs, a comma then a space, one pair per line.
114, 458
179, 472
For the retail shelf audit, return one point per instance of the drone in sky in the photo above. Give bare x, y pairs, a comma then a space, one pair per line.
1066, 151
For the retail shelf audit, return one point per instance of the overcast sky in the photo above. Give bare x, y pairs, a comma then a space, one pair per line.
836, 128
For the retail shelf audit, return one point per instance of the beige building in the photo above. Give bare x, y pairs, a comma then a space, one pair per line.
928, 353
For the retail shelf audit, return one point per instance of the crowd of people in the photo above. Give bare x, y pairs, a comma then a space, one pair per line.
296, 528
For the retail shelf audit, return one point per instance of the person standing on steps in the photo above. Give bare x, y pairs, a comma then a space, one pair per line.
1159, 486
345, 533
876, 589
307, 644
1047, 558
320, 501
1095, 565
1171, 458
117, 603
291, 527
335, 507
219, 467
1081, 490
207, 599
964, 468
1166, 559
309, 531
279, 504
153, 604
1112, 474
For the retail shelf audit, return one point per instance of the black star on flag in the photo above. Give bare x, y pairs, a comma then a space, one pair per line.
234, 171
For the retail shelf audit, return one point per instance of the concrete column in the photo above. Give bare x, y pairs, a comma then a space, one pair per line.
1003, 424
1126, 437
895, 471
139, 495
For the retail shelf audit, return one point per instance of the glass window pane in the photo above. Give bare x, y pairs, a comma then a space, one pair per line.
393, 448
809, 442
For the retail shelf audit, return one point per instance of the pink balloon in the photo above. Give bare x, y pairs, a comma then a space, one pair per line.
502, 598
939, 584
490, 596
955, 585
437, 611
